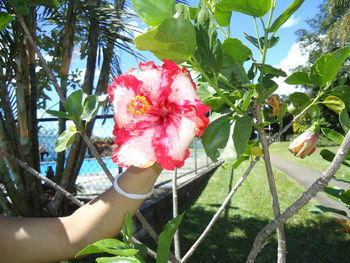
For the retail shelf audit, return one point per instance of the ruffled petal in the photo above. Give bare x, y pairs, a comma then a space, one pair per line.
171, 141
135, 150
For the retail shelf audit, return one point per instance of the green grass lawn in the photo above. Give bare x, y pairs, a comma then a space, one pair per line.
315, 160
310, 238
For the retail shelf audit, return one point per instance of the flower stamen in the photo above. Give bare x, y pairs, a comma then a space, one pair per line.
139, 105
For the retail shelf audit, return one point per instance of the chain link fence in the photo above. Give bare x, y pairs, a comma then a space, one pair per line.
91, 180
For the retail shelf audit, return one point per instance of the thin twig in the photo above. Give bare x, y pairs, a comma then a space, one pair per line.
175, 214
41, 177
282, 251
317, 186
219, 212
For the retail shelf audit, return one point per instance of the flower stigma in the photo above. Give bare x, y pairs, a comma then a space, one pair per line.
139, 105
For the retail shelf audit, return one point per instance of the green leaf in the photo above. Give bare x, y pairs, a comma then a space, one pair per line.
247, 98
299, 102
128, 227
203, 91
334, 103
320, 209
325, 69
65, 139
118, 260
268, 69
74, 104
223, 18
329, 156
215, 136
294, 6
265, 88
344, 120
271, 42
342, 178
235, 50
239, 161
154, 12
166, 237
333, 192
165, 44
90, 108
46, 3
241, 133
333, 135
255, 8
182, 11
345, 197
209, 49
342, 92
108, 245
5, 19
215, 102
58, 113
298, 78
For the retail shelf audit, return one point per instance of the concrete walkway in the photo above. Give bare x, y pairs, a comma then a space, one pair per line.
305, 176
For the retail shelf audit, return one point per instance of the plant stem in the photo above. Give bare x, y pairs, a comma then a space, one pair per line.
281, 258
175, 214
219, 212
317, 186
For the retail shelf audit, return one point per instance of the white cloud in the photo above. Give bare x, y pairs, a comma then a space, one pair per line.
292, 21
293, 59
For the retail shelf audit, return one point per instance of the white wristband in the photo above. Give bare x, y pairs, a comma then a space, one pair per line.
129, 195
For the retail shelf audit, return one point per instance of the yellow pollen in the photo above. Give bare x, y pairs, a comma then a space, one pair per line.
139, 105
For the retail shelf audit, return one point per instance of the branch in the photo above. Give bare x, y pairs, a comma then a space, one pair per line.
281, 255
175, 214
219, 212
317, 186
45, 179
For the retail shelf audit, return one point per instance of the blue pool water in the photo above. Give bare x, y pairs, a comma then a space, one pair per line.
88, 166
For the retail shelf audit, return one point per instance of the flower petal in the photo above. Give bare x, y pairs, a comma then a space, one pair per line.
136, 150
171, 142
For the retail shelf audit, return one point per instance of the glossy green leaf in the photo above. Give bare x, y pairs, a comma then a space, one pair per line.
223, 18
46, 3
165, 44
320, 209
241, 133
128, 226
117, 260
344, 120
203, 91
193, 12
240, 160
65, 139
329, 156
298, 78
5, 19
252, 71
271, 42
56, 113
333, 192
281, 19
265, 88
91, 105
299, 102
182, 11
247, 99
108, 245
166, 237
345, 197
154, 12
334, 103
235, 50
268, 69
325, 69
255, 8
209, 52
74, 104
342, 178
342, 92
214, 102
333, 135
215, 136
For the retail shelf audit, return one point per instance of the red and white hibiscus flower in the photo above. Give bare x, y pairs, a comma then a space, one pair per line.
157, 114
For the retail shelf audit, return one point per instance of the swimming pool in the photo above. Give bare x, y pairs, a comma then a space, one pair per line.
88, 166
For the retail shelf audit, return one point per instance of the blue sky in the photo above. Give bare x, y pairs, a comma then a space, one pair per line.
285, 54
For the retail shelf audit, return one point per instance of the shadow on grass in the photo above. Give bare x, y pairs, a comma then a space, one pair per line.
231, 239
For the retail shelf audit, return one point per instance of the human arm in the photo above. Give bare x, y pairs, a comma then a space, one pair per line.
53, 239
